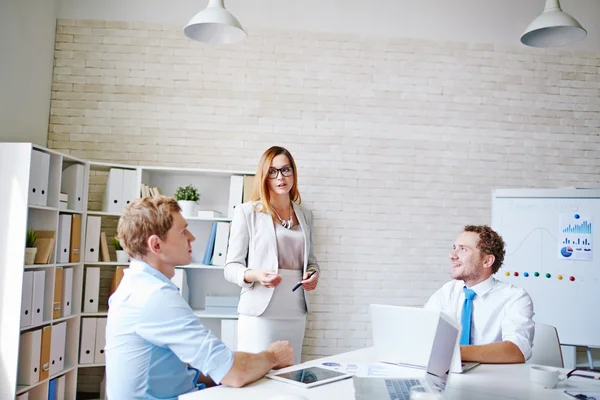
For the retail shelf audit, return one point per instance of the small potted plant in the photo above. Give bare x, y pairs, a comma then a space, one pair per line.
187, 198
122, 256
30, 250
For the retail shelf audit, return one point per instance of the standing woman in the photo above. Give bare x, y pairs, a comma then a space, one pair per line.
271, 248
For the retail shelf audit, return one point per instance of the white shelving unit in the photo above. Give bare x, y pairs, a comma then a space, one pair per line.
20, 210
19, 170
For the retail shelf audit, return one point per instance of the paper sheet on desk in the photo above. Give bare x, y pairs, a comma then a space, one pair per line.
372, 370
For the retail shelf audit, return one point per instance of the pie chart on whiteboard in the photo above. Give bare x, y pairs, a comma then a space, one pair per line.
566, 251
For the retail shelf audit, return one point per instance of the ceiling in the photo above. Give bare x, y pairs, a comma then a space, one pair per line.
480, 21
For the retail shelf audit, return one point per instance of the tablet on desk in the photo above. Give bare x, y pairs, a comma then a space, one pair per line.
309, 377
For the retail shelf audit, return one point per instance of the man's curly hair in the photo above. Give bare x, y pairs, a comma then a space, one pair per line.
489, 243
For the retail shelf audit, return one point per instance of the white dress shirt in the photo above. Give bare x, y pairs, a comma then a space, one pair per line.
501, 312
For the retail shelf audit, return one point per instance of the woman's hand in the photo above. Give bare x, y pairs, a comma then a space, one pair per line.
268, 279
310, 283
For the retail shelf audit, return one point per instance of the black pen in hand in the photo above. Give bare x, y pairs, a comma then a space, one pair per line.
300, 283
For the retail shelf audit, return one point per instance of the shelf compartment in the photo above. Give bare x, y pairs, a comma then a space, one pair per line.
23, 389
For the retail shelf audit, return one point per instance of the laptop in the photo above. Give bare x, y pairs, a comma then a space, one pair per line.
441, 328
395, 344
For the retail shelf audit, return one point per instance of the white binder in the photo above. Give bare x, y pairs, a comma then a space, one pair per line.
92, 290
236, 193
113, 193
38, 178
61, 387
26, 298
229, 333
88, 341
37, 300
221, 242
44, 177
130, 187
57, 348
67, 292
180, 280
29, 358
92, 239
99, 357
72, 184
64, 238
34, 180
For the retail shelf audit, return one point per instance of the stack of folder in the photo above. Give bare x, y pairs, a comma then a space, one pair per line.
121, 189
93, 341
216, 248
41, 354
39, 175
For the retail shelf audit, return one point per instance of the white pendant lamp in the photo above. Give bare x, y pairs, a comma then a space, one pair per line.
553, 28
215, 25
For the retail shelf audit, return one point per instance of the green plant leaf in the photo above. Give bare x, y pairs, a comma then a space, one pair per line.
30, 238
189, 193
117, 244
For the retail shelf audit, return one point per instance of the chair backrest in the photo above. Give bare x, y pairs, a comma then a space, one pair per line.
546, 347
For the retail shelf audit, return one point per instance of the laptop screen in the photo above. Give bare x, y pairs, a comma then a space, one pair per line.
442, 351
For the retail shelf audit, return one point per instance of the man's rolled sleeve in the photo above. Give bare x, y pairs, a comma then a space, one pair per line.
518, 326
219, 365
168, 321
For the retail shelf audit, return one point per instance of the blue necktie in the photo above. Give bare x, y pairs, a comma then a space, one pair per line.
467, 313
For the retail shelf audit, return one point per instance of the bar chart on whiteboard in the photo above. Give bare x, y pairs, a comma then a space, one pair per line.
577, 238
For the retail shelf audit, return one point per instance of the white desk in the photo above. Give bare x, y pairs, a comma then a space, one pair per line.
483, 382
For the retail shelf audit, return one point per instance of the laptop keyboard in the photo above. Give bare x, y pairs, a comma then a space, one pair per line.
399, 389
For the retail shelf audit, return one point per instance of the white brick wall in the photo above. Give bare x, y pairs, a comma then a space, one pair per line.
398, 142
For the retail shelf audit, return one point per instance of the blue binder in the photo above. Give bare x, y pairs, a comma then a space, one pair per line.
52, 390
210, 246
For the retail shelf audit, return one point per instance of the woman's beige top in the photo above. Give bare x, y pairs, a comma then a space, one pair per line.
290, 247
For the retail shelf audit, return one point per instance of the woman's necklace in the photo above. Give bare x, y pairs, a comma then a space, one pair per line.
287, 224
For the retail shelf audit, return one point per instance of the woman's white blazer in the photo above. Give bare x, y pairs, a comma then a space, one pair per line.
252, 244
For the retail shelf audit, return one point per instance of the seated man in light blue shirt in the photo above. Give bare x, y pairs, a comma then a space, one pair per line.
156, 348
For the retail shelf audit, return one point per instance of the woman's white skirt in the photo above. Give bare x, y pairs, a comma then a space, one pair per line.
284, 319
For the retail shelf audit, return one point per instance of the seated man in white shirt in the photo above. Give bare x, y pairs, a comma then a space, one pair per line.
496, 316
156, 348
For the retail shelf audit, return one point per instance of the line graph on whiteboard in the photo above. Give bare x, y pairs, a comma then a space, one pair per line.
576, 237
532, 250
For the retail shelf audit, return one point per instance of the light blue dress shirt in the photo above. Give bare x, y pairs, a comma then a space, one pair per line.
151, 337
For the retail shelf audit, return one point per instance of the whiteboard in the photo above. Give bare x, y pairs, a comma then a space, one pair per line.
553, 232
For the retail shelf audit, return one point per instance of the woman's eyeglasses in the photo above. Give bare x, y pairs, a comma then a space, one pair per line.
274, 172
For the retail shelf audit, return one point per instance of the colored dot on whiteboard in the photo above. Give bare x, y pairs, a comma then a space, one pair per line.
572, 278
548, 275
559, 277
576, 216
516, 274
536, 274
525, 274
507, 273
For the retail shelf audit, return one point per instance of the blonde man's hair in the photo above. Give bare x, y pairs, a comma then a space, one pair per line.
143, 218
261, 188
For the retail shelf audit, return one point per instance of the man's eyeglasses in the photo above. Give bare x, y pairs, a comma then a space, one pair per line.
285, 171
